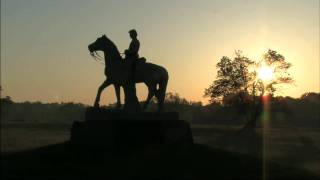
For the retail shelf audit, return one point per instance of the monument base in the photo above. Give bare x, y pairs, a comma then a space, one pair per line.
112, 129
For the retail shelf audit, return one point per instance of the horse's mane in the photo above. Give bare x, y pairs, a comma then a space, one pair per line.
114, 48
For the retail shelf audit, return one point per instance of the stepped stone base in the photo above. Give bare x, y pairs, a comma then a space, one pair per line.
117, 130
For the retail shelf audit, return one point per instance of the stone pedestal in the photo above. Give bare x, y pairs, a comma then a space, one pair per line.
131, 102
118, 130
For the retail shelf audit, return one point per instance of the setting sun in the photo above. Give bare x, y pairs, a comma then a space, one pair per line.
265, 73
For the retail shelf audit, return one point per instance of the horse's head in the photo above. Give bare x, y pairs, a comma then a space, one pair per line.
98, 45
103, 43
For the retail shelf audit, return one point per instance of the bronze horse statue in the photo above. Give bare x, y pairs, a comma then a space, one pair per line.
118, 72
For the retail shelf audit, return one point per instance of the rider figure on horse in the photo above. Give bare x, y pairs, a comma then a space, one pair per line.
131, 54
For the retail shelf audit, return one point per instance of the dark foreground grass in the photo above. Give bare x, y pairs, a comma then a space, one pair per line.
62, 161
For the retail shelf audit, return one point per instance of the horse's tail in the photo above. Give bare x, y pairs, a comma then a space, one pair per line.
161, 91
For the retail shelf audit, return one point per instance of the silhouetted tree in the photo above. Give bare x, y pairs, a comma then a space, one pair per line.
233, 77
232, 83
259, 88
280, 72
238, 84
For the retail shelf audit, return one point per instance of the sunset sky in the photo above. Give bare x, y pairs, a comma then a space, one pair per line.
44, 55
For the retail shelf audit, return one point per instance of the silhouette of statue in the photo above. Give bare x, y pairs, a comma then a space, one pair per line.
118, 73
132, 52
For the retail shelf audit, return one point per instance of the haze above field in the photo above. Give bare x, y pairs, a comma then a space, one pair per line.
44, 55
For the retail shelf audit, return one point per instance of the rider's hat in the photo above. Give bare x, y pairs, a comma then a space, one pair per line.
133, 32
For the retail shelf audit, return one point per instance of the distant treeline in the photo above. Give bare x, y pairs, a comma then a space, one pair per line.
41, 112
283, 111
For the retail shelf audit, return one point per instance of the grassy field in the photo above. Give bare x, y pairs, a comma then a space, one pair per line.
296, 148
291, 146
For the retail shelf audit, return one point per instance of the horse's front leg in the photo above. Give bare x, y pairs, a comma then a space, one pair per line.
117, 90
105, 84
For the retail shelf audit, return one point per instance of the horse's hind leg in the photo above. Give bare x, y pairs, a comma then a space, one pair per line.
105, 84
117, 90
160, 98
161, 93
152, 88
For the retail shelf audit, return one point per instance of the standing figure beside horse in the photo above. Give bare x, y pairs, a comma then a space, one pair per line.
121, 72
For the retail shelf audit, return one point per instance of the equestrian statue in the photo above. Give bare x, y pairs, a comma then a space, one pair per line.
127, 71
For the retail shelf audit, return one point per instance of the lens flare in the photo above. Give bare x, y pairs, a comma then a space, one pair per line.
265, 139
